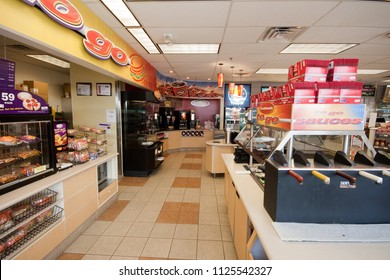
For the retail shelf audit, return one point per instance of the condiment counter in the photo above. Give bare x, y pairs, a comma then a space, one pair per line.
245, 200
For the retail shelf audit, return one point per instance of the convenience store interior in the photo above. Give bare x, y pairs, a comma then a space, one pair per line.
179, 212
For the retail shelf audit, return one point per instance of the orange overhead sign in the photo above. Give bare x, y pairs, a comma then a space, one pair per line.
97, 44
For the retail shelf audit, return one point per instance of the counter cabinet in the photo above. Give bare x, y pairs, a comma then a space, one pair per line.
75, 198
269, 245
214, 150
178, 140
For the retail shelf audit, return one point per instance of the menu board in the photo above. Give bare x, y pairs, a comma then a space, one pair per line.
7, 74
21, 102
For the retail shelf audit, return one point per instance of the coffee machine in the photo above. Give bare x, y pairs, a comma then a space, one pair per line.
166, 118
182, 119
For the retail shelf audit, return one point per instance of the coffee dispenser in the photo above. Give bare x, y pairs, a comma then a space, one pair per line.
166, 118
182, 119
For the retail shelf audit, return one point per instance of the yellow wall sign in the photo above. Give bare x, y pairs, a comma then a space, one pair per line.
96, 43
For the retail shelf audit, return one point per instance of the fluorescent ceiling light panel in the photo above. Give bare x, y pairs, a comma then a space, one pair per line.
317, 48
272, 71
51, 60
122, 12
144, 40
370, 71
189, 48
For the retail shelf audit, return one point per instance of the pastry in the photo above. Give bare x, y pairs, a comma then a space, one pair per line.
8, 140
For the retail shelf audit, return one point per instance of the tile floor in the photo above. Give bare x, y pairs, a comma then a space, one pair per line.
177, 212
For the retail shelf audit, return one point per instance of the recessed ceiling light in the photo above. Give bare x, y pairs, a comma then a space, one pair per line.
144, 40
51, 60
272, 71
317, 48
370, 71
121, 12
189, 48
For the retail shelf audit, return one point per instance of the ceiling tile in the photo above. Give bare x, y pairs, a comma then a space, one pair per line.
358, 13
339, 34
187, 35
278, 13
183, 14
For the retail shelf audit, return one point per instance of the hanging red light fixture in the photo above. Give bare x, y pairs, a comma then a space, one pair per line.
240, 87
220, 76
232, 85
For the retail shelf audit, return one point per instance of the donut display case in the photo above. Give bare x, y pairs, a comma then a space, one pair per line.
26, 150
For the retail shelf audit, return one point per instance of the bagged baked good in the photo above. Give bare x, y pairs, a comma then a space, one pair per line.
29, 169
19, 210
5, 216
40, 218
7, 225
40, 201
15, 237
78, 144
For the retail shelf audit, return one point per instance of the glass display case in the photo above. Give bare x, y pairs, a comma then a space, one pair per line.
27, 150
315, 176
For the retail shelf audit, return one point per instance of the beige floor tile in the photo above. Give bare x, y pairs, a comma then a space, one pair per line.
211, 199
154, 205
191, 198
157, 248
195, 174
183, 249
226, 233
184, 231
211, 208
128, 216
126, 196
175, 197
178, 212
229, 251
140, 229
183, 172
118, 229
158, 197
209, 219
210, 250
96, 257
82, 244
223, 219
209, 232
123, 258
163, 231
105, 245
222, 209
97, 228
147, 216
130, 247
130, 189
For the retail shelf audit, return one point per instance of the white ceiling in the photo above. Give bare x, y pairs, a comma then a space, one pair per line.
237, 26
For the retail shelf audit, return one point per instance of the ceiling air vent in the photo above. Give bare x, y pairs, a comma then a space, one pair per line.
281, 33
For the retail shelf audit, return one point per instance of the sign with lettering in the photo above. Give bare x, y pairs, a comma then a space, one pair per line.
94, 42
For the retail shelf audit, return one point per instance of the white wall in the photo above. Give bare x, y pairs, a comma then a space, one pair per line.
91, 110
54, 79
